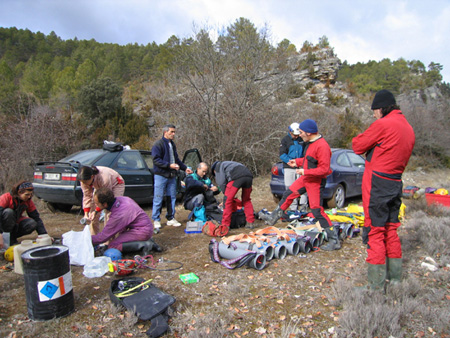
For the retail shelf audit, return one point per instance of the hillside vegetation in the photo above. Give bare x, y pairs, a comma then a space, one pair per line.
231, 97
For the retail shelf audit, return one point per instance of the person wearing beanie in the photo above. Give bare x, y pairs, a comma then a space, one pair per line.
291, 147
314, 169
387, 144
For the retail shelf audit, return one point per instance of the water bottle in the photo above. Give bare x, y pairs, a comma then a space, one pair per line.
6, 240
97, 267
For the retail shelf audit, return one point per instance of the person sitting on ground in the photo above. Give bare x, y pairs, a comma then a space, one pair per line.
12, 206
127, 220
92, 178
199, 189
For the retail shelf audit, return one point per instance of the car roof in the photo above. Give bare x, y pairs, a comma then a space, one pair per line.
89, 156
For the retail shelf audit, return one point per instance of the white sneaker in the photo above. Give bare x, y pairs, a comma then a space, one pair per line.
173, 222
156, 226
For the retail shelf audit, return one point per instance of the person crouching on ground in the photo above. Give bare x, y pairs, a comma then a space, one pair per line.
314, 169
199, 189
92, 178
127, 220
12, 206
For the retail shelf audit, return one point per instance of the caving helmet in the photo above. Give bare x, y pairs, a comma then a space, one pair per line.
294, 128
113, 253
441, 191
9, 254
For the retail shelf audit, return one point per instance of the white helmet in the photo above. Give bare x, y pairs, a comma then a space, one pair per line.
294, 128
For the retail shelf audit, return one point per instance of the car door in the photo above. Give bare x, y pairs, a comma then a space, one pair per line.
358, 164
132, 166
191, 159
345, 172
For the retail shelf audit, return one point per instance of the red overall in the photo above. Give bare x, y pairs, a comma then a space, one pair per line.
316, 164
388, 144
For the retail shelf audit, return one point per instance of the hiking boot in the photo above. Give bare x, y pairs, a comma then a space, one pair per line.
173, 222
333, 240
274, 216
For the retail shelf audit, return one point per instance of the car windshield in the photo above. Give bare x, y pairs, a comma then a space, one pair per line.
86, 157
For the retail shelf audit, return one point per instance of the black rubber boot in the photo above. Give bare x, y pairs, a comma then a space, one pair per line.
333, 240
274, 216
145, 247
394, 270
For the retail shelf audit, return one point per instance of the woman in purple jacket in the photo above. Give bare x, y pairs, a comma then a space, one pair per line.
128, 227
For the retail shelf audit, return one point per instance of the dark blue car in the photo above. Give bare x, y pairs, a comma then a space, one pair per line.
344, 182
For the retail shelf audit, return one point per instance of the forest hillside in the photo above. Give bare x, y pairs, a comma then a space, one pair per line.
232, 98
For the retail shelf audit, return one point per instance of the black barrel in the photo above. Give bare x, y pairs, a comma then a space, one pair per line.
48, 282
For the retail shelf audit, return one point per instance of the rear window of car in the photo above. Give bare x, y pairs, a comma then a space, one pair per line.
86, 157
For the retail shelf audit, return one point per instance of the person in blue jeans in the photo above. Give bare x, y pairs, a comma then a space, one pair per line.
166, 165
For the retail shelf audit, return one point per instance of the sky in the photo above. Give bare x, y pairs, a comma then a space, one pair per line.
358, 30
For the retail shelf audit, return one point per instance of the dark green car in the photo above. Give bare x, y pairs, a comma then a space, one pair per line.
56, 182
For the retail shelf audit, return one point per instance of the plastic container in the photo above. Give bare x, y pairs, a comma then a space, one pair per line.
43, 240
438, 199
193, 227
189, 278
18, 250
97, 267
48, 282
6, 240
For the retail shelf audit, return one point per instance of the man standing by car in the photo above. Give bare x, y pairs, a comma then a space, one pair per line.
291, 147
315, 167
199, 189
166, 166
388, 144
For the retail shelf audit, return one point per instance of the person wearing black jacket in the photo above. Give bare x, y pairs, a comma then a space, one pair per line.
166, 165
230, 177
199, 189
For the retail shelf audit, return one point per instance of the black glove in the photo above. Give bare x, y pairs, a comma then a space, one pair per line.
365, 234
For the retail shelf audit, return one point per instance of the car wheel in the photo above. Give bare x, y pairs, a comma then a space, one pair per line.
338, 199
65, 207
276, 198
52, 207
55, 207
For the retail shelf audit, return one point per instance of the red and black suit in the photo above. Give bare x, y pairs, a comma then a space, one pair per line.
388, 144
316, 166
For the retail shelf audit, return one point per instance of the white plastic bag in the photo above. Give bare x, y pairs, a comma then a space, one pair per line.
80, 246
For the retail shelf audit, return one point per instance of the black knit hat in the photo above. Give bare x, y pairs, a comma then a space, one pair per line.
383, 98
213, 167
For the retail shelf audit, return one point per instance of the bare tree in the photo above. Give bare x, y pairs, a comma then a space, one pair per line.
226, 94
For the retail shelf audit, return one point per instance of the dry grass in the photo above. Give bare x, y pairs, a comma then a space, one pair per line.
293, 297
